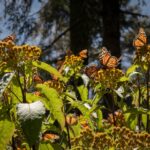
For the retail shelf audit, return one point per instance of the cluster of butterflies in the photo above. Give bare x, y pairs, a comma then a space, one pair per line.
109, 61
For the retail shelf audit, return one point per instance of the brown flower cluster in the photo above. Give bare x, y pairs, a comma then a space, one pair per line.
56, 84
120, 138
124, 138
14, 54
73, 62
107, 77
116, 119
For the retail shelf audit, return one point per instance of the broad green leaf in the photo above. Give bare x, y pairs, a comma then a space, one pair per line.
48, 68
83, 92
131, 69
55, 103
30, 118
49, 146
31, 129
84, 110
79, 105
97, 98
16, 91
131, 120
144, 120
75, 130
139, 110
6, 131
45, 146
123, 79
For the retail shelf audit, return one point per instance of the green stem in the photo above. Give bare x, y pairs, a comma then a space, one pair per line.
14, 94
22, 90
139, 102
147, 98
68, 133
113, 108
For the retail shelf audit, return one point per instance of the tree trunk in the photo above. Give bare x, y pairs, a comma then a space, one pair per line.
111, 26
79, 32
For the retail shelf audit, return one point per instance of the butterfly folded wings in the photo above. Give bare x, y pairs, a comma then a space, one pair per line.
107, 60
140, 40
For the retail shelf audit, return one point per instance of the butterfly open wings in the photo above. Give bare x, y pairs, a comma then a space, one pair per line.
107, 60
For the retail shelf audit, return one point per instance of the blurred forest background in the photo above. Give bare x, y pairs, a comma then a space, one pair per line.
60, 25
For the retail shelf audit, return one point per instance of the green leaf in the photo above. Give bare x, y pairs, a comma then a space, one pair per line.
131, 69
84, 110
45, 146
49, 69
144, 120
97, 98
83, 92
75, 130
6, 131
123, 79
55, 103
99, 119
131, 120
30, 117
139, 110
16, 91
49, 146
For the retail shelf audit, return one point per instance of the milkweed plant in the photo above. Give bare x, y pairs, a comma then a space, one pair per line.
80, 107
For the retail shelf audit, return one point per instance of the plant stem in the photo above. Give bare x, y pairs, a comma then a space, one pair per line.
68, 133
113, 108
22, 90
24, 80
139, 102
14, 94
147, 98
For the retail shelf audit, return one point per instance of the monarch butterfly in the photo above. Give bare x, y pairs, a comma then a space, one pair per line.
37, 79
71, 119
140, 40
83, 53
11, 37
91, 71
50, 136
107, 60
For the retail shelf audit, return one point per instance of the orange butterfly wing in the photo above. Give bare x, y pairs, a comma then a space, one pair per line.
107, 60
11, 37
140, 40
83, 53
112, 62
104, 56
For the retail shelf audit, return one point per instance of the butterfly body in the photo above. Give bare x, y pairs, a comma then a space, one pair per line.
107, 60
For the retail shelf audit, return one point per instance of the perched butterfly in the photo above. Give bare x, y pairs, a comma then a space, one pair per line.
107, 60
71, 119
91, 71
37, 79
50, 136
11, 37
140, 40
83, 53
